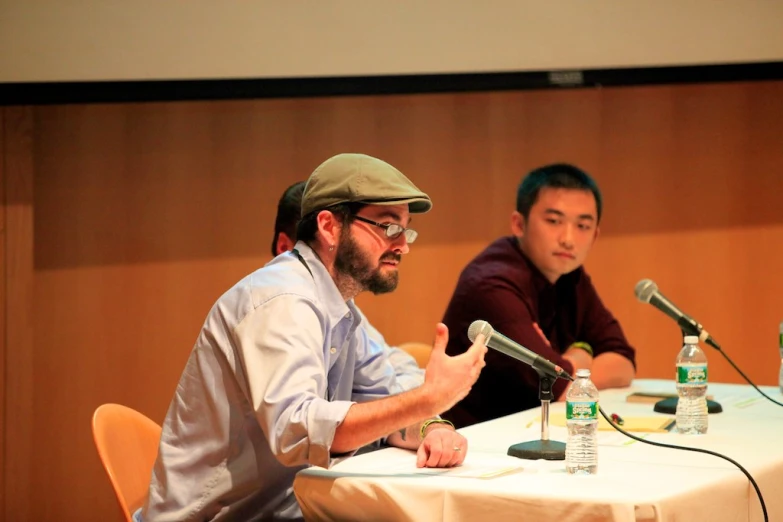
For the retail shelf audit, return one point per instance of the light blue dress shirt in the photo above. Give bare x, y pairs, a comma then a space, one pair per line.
406, 369
278, 363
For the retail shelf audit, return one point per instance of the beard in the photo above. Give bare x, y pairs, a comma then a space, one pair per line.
351, 261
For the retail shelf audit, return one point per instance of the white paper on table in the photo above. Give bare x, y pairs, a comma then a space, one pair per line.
476, 465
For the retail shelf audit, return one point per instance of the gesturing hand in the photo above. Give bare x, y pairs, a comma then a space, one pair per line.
449, 379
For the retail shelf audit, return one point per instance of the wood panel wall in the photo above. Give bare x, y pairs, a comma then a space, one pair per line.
19, 384
145, 213
3, 305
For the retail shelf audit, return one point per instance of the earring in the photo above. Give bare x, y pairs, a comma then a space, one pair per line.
331, 247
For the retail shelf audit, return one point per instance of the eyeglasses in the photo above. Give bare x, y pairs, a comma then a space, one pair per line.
393, 230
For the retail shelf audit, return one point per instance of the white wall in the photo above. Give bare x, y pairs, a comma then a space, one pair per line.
69, 40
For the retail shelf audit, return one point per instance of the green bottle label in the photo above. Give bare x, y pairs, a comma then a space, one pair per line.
583, 410
692, 374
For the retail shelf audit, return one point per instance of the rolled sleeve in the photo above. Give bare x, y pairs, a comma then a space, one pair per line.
281, 343
374, 376
601, 329
406, 371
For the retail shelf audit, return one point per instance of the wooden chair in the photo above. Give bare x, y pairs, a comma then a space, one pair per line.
127, 444
417, 350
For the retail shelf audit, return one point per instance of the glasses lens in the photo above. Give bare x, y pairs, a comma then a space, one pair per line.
393, 231
411, 235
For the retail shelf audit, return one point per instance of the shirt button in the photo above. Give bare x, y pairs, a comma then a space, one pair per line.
333, 350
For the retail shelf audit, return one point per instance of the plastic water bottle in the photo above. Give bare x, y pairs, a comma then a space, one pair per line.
582, 422
780, 343
692, 388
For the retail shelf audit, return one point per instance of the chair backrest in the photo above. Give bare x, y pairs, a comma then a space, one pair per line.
127, 444
417, 350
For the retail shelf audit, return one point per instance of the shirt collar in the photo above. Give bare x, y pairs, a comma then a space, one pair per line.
539, 281
326, 289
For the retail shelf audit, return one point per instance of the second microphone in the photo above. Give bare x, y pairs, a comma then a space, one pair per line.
504, 345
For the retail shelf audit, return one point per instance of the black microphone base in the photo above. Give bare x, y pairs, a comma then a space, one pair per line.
538, 449
670, 406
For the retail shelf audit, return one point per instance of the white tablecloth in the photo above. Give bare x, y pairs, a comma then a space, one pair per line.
635, 482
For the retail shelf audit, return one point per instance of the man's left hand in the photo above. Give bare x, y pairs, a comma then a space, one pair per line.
441, 448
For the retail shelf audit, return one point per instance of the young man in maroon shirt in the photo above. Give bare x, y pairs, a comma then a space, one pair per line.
532, 288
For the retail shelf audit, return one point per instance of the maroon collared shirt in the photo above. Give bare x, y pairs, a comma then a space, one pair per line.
503, 287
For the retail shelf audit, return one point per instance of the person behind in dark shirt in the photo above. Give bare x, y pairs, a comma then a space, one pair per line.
532, 288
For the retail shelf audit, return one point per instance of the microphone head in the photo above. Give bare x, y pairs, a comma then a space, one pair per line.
645, 289
479, 327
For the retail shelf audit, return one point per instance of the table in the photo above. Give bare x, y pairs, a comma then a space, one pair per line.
635, 482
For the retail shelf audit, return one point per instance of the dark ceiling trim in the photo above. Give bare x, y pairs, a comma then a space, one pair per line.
43, 93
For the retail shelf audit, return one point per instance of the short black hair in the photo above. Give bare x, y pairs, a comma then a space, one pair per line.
289, 210
556, 175
308, 225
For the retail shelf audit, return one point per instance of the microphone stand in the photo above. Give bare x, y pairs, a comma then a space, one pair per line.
541, 449
669, 405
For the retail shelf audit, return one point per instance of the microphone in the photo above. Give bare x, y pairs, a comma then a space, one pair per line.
504, 345
647, 292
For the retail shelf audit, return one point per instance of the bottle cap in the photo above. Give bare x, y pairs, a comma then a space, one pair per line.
691, 339
583, 372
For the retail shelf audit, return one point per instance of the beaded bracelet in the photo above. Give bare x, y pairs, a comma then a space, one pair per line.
422, 431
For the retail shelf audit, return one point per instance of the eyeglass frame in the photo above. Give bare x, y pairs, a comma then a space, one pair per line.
388, 227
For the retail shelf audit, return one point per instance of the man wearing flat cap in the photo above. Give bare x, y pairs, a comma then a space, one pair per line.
281, 377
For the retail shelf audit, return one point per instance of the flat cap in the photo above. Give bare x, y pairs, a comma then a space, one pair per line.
358, 178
